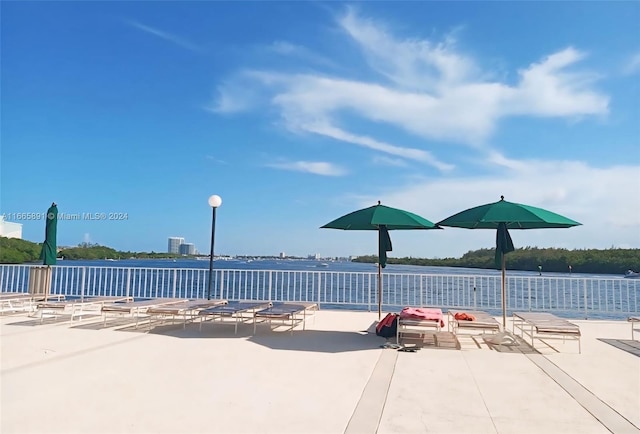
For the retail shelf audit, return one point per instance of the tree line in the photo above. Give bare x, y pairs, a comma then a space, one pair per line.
599, 261
16, 251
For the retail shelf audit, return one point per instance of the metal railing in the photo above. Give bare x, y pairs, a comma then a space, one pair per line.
576, 297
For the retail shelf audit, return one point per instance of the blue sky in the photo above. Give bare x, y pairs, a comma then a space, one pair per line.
296, 113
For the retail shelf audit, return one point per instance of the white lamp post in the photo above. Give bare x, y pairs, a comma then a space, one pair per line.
214, 202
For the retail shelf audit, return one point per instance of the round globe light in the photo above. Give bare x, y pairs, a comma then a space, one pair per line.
215, 201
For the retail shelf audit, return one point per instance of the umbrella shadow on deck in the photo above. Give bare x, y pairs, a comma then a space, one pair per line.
515, 346
324, 341
49, 320
280, 338
110, 323
630, 346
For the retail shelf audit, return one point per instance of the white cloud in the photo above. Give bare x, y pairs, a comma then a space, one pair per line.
633, 65
430, 89
435, 93
388, 161
285, 48
232, 99
165, 35
548, 89
314, 167
414, 154
216, 160
464, 115
599, 198
410, 63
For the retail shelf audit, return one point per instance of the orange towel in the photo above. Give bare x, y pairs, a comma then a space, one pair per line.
462, 316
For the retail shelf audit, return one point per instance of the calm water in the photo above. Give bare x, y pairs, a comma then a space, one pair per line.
310, 265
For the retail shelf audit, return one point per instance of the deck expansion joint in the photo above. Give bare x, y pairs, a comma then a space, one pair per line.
368, 412
605, 414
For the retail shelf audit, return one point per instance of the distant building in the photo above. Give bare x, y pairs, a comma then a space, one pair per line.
315, 256
282, 255
10, 230
174, 244
187, 249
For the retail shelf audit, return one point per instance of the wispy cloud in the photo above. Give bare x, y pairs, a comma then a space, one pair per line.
285, 48
239, 93
412, 63
216, 160
632, 65
388, 161
427, 89
166, 36
596, 197
314, 167
328, 130
231, 99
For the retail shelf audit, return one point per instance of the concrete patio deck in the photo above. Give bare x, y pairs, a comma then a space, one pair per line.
333, 377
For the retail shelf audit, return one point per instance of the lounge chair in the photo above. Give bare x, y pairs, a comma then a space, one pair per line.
136, 308
12, 302
633, 320
187, 309
481, 321
418, 320
545, 325
6, 295
234, 310
78, 305
294, 312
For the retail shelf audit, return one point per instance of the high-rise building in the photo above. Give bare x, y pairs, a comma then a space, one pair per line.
174, 244
187, 249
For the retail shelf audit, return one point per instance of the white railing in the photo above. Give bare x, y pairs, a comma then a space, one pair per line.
576, 297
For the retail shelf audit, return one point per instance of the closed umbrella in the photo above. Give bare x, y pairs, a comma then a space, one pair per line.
502, 216
380, 218
50, 247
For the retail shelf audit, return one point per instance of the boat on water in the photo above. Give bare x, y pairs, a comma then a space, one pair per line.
630, 274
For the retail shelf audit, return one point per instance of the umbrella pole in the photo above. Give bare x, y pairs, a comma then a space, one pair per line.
504, 295
379, 291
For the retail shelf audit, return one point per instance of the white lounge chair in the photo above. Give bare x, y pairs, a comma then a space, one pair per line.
633, 320
13, 302
77, 305
187, 309
482, 321
545, 325
293, 313
135, 308
414, 322
238, 311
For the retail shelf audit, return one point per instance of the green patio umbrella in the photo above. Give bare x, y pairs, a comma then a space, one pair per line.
502, 216
382, 219
49, 247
